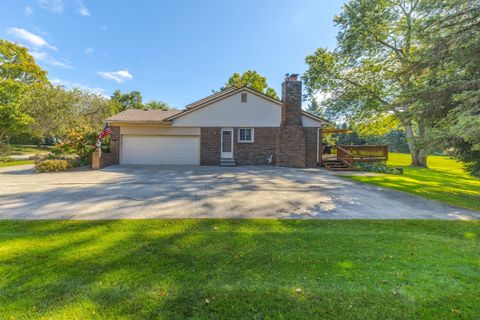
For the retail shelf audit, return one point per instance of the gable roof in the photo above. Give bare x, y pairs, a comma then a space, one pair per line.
230, 92
210, 97
143, 116
166, 116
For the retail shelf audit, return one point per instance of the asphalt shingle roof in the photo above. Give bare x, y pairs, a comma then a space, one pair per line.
140, 115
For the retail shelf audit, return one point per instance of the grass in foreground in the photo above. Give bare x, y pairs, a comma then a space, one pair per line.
15, 163
443, 181
232, 269
18, 149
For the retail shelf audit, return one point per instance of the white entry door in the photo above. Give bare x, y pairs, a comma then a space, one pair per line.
160, 150
227, 144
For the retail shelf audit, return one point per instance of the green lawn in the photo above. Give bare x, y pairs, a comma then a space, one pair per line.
17, 149
240, 269
15, 163
444, 181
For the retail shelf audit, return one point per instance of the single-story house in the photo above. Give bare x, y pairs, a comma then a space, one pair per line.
234, 126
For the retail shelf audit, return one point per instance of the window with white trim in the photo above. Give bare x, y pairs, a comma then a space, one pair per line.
245, 135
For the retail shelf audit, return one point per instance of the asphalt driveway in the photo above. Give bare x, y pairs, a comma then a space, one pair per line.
206, 192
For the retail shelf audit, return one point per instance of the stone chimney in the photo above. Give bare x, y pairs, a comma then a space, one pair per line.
291, 138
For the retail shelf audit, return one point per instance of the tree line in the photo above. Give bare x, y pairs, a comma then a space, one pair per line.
33, 110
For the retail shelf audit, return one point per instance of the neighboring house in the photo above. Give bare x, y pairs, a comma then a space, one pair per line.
234, 126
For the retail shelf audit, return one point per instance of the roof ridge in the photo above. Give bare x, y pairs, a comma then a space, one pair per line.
213, 95
144, 115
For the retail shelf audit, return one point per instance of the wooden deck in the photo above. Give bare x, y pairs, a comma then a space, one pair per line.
345, 157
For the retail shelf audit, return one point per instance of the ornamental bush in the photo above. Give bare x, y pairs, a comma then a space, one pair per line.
55, 165
377, 167
79, 141
5, 158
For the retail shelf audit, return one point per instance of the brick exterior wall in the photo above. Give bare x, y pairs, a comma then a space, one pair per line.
113, 157
210, 146
291, 136
257, 152
254, 153
291, 144
310, 146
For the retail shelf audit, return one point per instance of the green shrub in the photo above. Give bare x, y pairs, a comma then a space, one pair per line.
79, 141
376, 167
55, 165
5, 158
5, 149
72, 160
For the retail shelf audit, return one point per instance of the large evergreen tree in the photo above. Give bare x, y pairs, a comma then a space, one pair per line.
450, 83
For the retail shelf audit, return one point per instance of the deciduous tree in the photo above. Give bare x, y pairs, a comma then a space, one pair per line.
251, 79
371, 74
129, 100
155, 104
18, 74
54, 110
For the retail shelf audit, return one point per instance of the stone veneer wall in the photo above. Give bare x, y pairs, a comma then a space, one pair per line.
257, 152
112, 157
311, 146
210, 146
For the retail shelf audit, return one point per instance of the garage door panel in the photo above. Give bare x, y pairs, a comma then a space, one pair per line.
160, 150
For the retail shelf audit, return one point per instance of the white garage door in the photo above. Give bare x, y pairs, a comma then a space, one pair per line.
160, 150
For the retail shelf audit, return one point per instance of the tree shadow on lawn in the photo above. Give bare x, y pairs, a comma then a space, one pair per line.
430, 183
246, 269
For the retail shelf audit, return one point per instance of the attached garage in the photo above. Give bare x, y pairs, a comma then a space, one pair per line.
166, 150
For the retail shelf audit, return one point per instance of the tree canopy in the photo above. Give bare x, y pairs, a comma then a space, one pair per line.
376, 74
32, 109
450, 82
155, 104
18, 74
134, 100
129, 100
251, 79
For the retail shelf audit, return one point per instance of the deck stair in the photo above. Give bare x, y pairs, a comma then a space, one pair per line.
336, 165
227, 162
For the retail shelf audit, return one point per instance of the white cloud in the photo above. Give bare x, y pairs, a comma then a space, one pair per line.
89, 51
28, 11
61, 64
82, 9
44, 57
71, 85
55, 6
31, 38
118, 76
38, 55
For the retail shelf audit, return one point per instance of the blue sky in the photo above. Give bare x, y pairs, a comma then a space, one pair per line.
173, 51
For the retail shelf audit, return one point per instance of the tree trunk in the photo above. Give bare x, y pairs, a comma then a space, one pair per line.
419, 154
3, 145
419, 158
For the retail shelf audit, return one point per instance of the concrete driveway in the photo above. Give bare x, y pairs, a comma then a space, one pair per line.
205, 192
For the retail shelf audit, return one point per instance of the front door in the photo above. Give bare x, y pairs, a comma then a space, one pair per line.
227, 144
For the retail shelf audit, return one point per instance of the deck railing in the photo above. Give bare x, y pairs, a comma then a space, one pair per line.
364, 153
